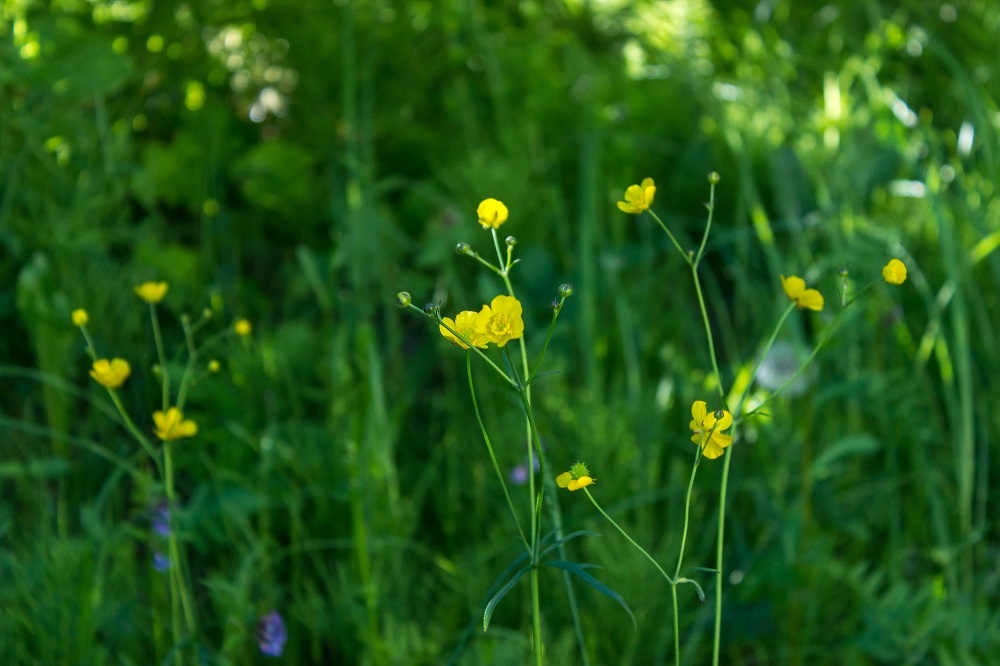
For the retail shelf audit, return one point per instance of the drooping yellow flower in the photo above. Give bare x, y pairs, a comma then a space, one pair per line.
894, 272
795, 289
110, 374
152, 292
242, 327
638, 198
492, 213
500, 321
80, 317
170, 425
465, 324
577, 477
708, 430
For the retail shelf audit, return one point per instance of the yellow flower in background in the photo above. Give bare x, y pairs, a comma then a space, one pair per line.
80, 317
638, 198
577, 477
492, 213
170, 425
708, 430
242, 327
152, 292
795, 289
894, 272
110, 374
500, 321
213, 366
465, 324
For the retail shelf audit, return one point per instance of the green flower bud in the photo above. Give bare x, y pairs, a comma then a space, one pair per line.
403, 299
566, 290
714, 178
511, 241
463, 248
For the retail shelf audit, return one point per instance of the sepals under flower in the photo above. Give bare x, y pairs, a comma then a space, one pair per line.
577, 477
465, 324
492, 213
500, 321
170, 425
708, 429
110, 374
638, 198
894, 272
795, 289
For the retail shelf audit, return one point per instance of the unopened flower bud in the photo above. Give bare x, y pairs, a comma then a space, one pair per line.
431, 308
206, 313
555, 306
566, 290
714, 178
403, 299
463, 248
842, 272
719, 413
511, 241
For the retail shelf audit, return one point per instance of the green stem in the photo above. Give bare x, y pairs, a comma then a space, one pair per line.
680, 554
493, 458
628, 538
161, 355
177, 564
671, 235
536, 621
189, 367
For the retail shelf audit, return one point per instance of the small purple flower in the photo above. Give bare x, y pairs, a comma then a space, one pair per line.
519, 473
160, 561
271, 634
160, 519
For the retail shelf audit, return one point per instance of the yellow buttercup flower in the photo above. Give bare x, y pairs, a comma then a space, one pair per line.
894, 272
795, 289
465, 324
242, 327
500, 321
170, 425
708, 430
638, 198
213, 366
577, 477
110, 374
80, 317
492, 213
152, 292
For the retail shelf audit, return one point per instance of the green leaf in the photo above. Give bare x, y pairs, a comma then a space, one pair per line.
578, 569
571, 535
501, 593
860, 444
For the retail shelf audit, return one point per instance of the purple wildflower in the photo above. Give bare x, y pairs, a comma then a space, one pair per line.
160, 561
519, 473
160, 519
271, 634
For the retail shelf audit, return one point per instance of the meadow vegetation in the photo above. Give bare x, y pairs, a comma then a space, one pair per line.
223, 441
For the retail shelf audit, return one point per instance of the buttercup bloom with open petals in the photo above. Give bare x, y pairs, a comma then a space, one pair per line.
110, 374
80, 317
577, 477
152, 292
500, 321
170, 425
795, 289
465, 324
242, 327
492, 213
894, 272
638, 198
708, 430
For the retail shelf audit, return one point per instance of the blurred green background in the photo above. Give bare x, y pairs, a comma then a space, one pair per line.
298, 163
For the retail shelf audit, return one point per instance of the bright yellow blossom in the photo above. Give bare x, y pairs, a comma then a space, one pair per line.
465, 324
213, 366
152, 292
708, 430
638, 198
110, 374
500, 321
242, 327
171, 425
795, 289
577, 477
894, 272
492, 213
80, 317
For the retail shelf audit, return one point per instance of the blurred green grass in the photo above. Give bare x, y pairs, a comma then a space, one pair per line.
339, 476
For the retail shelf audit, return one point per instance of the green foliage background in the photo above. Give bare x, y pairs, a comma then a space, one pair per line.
298, 163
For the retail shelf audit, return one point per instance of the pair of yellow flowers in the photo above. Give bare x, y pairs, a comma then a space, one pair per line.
497, 323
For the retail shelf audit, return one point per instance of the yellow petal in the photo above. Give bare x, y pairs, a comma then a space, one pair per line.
793, 286
564, 479
811, 299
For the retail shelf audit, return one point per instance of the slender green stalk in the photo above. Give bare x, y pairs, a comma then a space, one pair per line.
161, 355
618, 527
493, 458
680, 554
189, 367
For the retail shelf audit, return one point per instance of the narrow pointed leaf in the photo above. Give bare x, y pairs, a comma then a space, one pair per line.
501, 593
578, 568
571, 535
